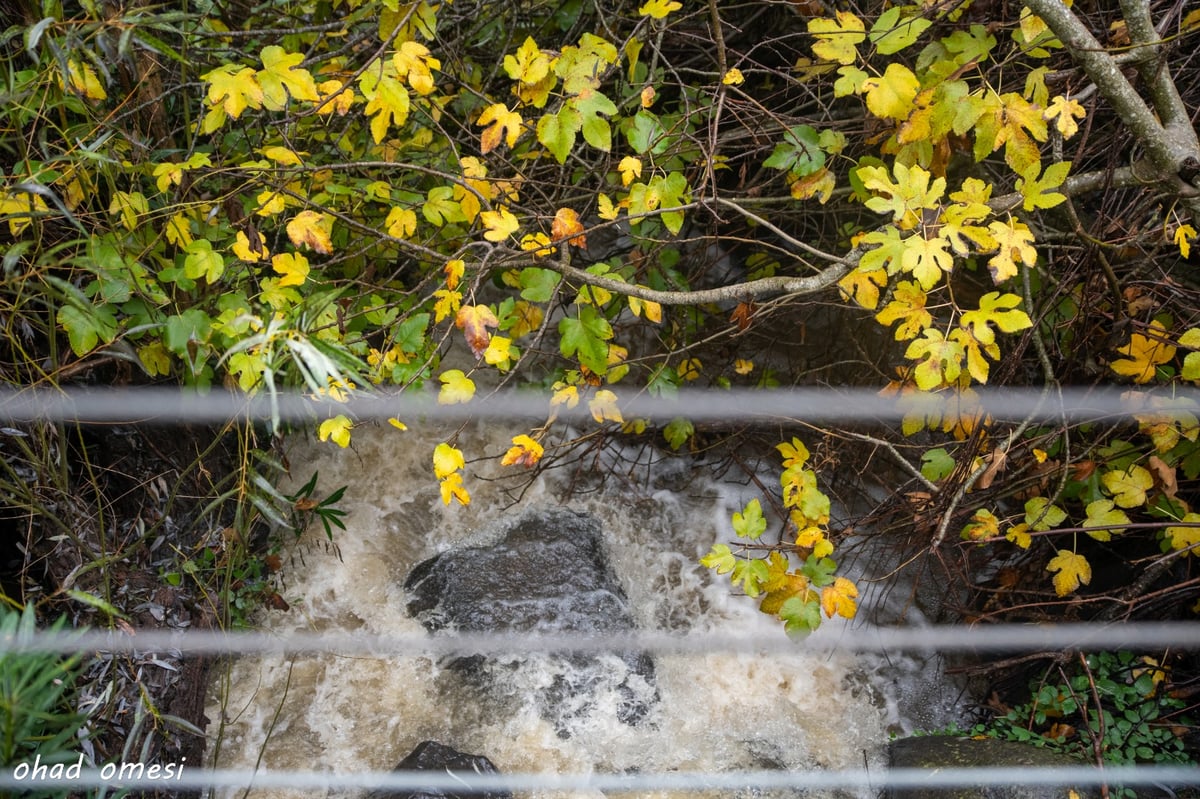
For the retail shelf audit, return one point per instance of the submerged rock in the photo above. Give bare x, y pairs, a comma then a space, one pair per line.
547, 574
433, 756
948, 751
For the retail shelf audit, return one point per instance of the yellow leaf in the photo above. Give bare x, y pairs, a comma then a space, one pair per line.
530, 65
500, 125
311, 229
336, 97
499, 224
603, 407
234, 89
1066, 110
733, 77
447, 460
84, 80
605, 208
794, 453
1128, 487
1072, 570
524, 452
526, 318
447, 303
907, 306
1183, 239
396, 423
456, 389
906, 197
630, 169
837, 39
1185, 538
659, 8
454, 272
941, 361
179, 230
337, 430
838, 599
387, 98
537, 243
564, 395
293, 267
452, 488
270, 203
648, 95
566, 225
862, 285
892, 96
473, 321
414, 61
926, 259
1019, 535
401, 223
499, 352
689, 369
1015, 241
281, 76
1145, 354
743, 366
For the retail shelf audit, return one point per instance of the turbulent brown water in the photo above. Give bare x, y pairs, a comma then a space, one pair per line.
718, 712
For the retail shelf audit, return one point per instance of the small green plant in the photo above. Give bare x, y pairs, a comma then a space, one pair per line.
1110, 703
36, 689
306, 507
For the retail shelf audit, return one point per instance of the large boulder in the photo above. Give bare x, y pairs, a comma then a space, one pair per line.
436, 757
546, 573
947, 751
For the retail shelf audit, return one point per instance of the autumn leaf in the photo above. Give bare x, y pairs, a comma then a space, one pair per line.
733, 77
499, 225
524, 452
414, 62
452, 488
1183, 239
891, 96
1041, 514
658, 9
1145, 354
1128, 486
1072, 570
941, 359
336, 430
995, 309
837, 39
500, 125
447, 460
1015, 242
1102, 515
280, 76
1064, 111
750, 522
293, 267
529, 65
862, 285
1019, 535
566, 225
456, 388
454, 271
908, 307
604, 407
233, 88
473, 321
1188, 538
500, 352
838, 599
983, 524
401, 223
387, 98
311, 229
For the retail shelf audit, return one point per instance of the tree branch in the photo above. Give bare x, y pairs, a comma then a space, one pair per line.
1153, 68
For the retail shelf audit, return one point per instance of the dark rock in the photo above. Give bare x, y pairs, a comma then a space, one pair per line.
433, 756
946, 751
547, 574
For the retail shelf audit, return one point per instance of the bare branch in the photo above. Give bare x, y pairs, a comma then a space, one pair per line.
1153, 68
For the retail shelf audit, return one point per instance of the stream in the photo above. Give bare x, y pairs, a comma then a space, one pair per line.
718, 712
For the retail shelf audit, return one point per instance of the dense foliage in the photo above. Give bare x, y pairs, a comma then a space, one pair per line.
604, 199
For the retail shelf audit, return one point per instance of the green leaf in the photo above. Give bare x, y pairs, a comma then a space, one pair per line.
678, 432
891, 34
936, 464
87, 325
557, 131
1040, 514
202, 262
643, 131
191, 325
799, 152
720, 558
596, 130
410, 335
537, 284
586, 337
800, 616
819, 571
750, 522
751, 574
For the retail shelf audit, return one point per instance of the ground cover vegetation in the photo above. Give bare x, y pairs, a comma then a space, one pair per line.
596, 200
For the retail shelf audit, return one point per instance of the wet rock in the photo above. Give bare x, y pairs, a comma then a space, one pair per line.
946, 751
433, 756
548, 573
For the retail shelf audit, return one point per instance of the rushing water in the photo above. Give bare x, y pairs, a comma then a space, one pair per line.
720, 711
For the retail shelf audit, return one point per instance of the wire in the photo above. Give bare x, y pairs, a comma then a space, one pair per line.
946, 638
159, 405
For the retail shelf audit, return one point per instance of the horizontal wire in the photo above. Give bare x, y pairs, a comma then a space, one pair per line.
161, 405
945, 638
409, 781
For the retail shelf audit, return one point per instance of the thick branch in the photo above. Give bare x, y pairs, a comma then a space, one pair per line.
1166, 149
1153, 67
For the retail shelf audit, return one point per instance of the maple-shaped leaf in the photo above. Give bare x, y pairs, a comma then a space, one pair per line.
975, 349
1128, 486
447, 302
538, 244
837, 39
750, 522
401, 223
983, 524
336, 98
1145, 353
907, 306
794, 453
441, 208
414, 62
862, 285
202, 261
720, 558
280, 77
473, 321
311, 229
1185, 538
597, 131
906, 197
456, 388
941, 359
650, 309
1184, 234
498, 225
1102, 515
529, 65
1019, 535
604, 407
838, 599
292, 266
387, 98
336, 430
1015, 243
447, 460
926, 259
811, 537
995, 309
1042, 514
233, 88
658, 9
892, 96
500, 125
631, 168
891, 33
566, 225
452, 488
1037, 190
243, 249
524, 452
1064, 111
564, 395
585, 337
1072, 570
799, 153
